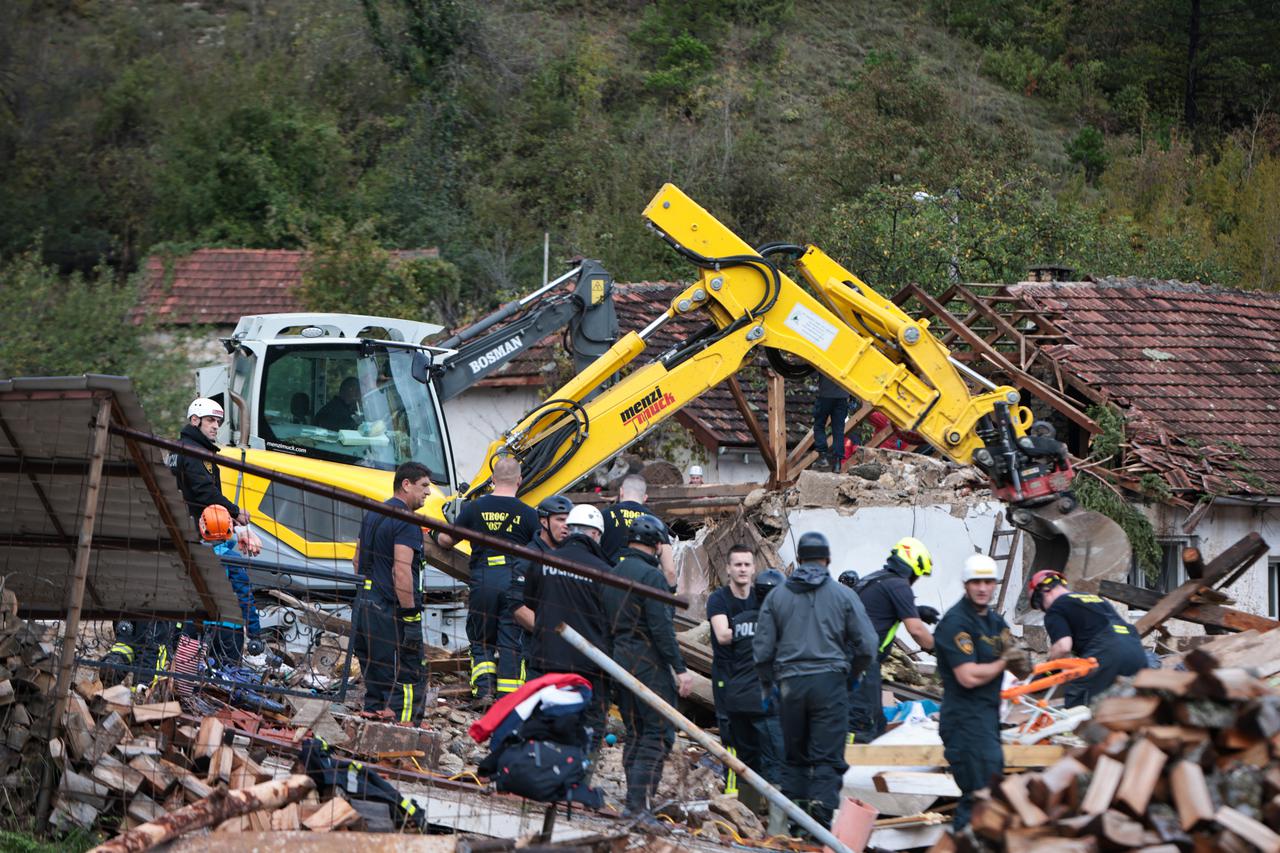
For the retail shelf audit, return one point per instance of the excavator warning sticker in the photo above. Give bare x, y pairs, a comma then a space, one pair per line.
808, 325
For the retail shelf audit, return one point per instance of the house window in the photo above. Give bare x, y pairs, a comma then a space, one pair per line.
1171, 572
1273, 587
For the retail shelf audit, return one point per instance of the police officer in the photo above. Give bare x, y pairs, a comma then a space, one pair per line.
632, 493
973, 649
644, 642
389, 619
747, 730
553, 519
812, 637
890, 603
555, 595
491, 628
1085, 626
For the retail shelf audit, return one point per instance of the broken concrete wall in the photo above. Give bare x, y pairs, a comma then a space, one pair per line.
861, 538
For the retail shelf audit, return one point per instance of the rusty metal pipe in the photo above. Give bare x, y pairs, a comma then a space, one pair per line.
502, 546
703, 739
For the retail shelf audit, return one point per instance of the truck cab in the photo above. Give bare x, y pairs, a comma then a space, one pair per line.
337, 398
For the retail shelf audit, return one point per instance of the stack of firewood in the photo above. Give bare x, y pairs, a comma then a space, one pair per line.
1189, 760
27, 675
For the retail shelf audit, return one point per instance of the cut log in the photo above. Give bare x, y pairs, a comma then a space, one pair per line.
117, 775
1142, 769
1127, 713
220, 765
218, 807
142, 808
1057, 783
332, 815
84, 789
1191, 795
1249, 829
110, 732
1171, 681
208, 739
1107, 773
286, 819
1014, 791
159, 779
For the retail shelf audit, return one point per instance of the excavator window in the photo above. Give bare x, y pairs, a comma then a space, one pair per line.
346, 403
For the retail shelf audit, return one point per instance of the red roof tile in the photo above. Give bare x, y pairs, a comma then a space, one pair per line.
219, 286
1198, 364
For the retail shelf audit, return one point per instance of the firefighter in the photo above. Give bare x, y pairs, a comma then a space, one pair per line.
553, 519
812, 638
1086, 626
555, 596
491, 628
644, 641
746, 730
389, 619
973, 649
890, 603
632, 493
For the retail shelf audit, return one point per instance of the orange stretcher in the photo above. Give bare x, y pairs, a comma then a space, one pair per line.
1045, 720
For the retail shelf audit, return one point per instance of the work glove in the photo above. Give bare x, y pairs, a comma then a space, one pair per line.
1016, 660
769, 698
928, 615
409, 620
254, 647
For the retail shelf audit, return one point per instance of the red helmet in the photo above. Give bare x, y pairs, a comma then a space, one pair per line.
1041, 582
215, 524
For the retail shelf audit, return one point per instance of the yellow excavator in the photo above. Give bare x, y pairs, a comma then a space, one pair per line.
839, 326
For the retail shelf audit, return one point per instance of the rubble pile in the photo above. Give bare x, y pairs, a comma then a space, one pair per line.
1187, 760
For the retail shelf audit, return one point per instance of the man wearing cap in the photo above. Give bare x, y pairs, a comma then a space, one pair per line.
812, 638
890, 603
492, 632
1086, 626
555, 595
644, 642
973, 647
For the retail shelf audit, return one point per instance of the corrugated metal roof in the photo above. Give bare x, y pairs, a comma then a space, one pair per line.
139, 563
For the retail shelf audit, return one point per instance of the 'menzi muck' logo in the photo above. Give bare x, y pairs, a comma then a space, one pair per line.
647, 407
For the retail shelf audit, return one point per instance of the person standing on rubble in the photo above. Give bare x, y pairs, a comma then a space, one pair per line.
973, 647
644, 642
831, 406
555, 595
812, 637
1085, 626
890, 604
748, 731
553, 518
632, 494
491, 629
388, 617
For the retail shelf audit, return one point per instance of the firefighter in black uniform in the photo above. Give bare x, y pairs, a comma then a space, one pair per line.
491, 628
644, 642
388, 618
632, 493
1086, 626
973, 648
553, 518
890, 603
556, 596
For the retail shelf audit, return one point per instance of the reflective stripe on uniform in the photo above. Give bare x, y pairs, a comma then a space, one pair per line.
498, 560
406, 709
731, 778
482, 668
368, 583
509, 685
888, 638
123, 649
408, 806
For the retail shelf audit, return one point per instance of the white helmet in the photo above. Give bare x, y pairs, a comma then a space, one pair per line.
203, 407
978, 567
587, 516
695, 470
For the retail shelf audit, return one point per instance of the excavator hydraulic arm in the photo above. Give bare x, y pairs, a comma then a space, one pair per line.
843, 328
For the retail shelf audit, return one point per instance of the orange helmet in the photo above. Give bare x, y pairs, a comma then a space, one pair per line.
215, 524
1042, 582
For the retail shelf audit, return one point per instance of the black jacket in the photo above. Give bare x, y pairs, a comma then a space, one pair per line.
642, 628
200, 481
557, 596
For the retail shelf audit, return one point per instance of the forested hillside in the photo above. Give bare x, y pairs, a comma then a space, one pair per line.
912, 140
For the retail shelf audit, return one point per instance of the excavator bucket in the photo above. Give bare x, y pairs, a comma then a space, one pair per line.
1086, 546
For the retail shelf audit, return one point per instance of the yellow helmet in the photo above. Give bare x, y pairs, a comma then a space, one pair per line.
914, 553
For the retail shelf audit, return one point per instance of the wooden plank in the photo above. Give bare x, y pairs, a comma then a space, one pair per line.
1015, 755
1243, 553
334, 814
155, 712
159, 778
117, 775
777, 423
1216, 615
286, 819
1126, 713
753, 423
1190, 794
208, 739
932, 783
1249, 829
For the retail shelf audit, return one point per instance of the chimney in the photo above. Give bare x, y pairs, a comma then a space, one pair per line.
1050, 272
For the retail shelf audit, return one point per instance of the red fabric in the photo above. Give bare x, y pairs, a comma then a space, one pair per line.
482, 728
896, 440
